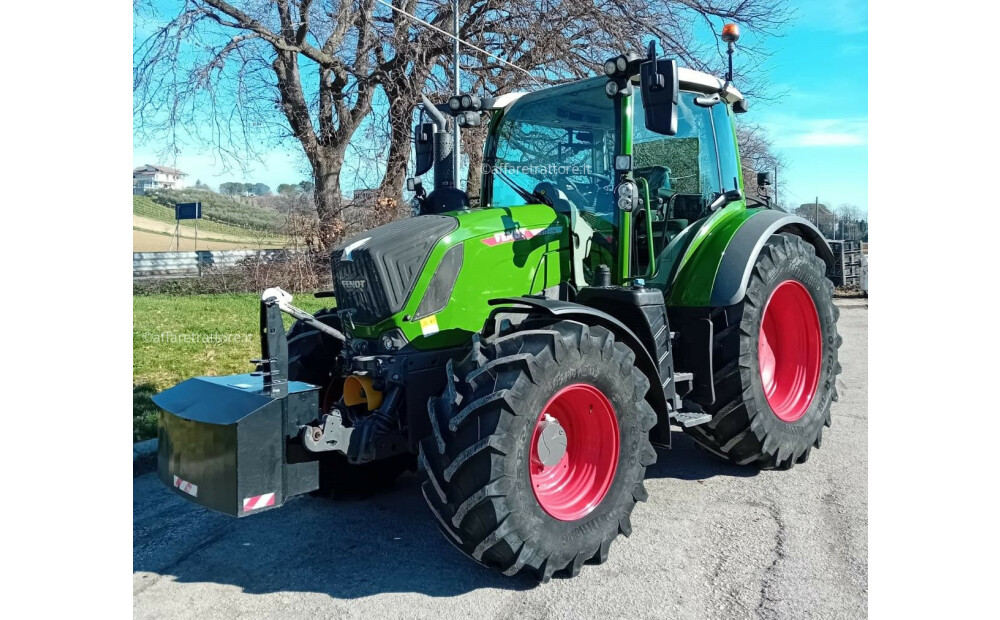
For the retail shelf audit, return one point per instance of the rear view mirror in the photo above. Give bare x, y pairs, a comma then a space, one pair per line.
763, 178
658, 81
423, 139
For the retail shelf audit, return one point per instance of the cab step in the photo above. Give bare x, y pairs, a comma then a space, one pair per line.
693, 414
687, 419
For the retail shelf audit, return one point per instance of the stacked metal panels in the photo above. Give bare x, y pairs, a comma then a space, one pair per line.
846, 270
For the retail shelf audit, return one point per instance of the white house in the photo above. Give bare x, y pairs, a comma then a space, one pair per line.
156, 177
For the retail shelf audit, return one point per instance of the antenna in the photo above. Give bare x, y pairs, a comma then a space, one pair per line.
466, 43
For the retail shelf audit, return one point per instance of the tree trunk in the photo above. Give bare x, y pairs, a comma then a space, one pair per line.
472, 145
327, 164
391, 190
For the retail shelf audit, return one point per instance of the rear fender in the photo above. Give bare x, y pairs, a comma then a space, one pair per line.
738, 260
715, 271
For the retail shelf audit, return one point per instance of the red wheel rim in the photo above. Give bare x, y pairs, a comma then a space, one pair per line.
789, 350
571, 488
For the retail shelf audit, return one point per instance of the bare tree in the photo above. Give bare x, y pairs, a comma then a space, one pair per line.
853, 222
757, 154
243, 74
253, 71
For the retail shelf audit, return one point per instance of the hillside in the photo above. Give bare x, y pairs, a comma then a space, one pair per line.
225, 224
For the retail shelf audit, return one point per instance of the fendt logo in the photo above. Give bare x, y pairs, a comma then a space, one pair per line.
353, 285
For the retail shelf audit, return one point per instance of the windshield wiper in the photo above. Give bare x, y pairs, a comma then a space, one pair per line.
526, 196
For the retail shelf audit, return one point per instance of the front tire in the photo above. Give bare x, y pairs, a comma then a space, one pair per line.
539, 450
776, 362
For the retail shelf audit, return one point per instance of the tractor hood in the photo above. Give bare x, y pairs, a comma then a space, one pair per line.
431, 276
374, 272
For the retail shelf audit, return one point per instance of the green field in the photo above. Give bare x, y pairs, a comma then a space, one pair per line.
177, 337
218, 216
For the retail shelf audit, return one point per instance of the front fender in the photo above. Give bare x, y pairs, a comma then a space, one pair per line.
644, 361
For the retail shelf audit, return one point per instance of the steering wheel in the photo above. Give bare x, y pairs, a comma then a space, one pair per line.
586, 196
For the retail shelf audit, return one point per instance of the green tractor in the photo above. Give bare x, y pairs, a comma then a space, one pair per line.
527, 355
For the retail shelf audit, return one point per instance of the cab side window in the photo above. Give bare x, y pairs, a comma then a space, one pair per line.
725, 139
683, 168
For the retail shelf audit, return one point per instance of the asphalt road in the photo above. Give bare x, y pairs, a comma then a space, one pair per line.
713, 541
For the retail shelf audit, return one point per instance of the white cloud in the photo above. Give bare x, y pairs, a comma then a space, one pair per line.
793, 132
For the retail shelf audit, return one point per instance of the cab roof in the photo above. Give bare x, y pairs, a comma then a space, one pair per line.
689, 79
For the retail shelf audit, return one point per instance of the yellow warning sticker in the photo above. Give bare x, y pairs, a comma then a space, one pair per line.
429, 325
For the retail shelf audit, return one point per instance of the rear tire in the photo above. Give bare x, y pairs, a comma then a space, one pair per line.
774, 418
313, 357
484, 481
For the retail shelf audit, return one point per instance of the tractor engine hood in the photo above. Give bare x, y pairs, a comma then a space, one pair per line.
375, 272
428, 279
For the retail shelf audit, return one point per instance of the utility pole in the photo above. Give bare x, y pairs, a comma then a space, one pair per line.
457, 154
817, 213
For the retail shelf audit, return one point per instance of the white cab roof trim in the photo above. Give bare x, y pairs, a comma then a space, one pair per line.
703, 82
689, 80
502, 101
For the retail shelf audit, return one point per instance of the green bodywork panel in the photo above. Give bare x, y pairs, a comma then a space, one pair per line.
695, 274
509, 252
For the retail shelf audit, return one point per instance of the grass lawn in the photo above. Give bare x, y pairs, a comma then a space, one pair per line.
177, 337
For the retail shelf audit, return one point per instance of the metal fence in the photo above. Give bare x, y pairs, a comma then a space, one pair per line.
187, 264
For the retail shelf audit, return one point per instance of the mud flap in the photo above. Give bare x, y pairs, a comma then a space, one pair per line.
227, 444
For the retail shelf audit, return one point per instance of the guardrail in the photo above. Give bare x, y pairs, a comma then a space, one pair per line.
188, 264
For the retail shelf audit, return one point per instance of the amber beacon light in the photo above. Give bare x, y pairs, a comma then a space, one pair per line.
730, 33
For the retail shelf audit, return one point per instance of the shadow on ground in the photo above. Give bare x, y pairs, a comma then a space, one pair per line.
686, 461
345, 548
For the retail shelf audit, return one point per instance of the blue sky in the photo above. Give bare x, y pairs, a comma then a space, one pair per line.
819, 122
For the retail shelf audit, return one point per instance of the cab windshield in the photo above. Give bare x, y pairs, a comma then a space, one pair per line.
565, 135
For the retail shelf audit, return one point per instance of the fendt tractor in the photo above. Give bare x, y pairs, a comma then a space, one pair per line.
525, 356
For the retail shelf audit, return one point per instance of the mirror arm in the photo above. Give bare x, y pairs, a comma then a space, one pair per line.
435, 114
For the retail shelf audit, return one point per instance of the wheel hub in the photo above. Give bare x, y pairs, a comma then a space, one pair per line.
574, 452
551, 446
789, 350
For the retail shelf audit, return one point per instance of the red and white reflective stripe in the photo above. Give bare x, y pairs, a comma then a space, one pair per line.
187, 487
258, 501
520, 235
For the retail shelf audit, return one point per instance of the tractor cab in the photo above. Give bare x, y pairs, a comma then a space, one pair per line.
567, 137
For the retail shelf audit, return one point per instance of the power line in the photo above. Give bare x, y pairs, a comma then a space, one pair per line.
451, 36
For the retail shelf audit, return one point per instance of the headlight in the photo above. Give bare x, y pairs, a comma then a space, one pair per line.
455, 103
610, 67
621, 63
611, 88
628, 196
